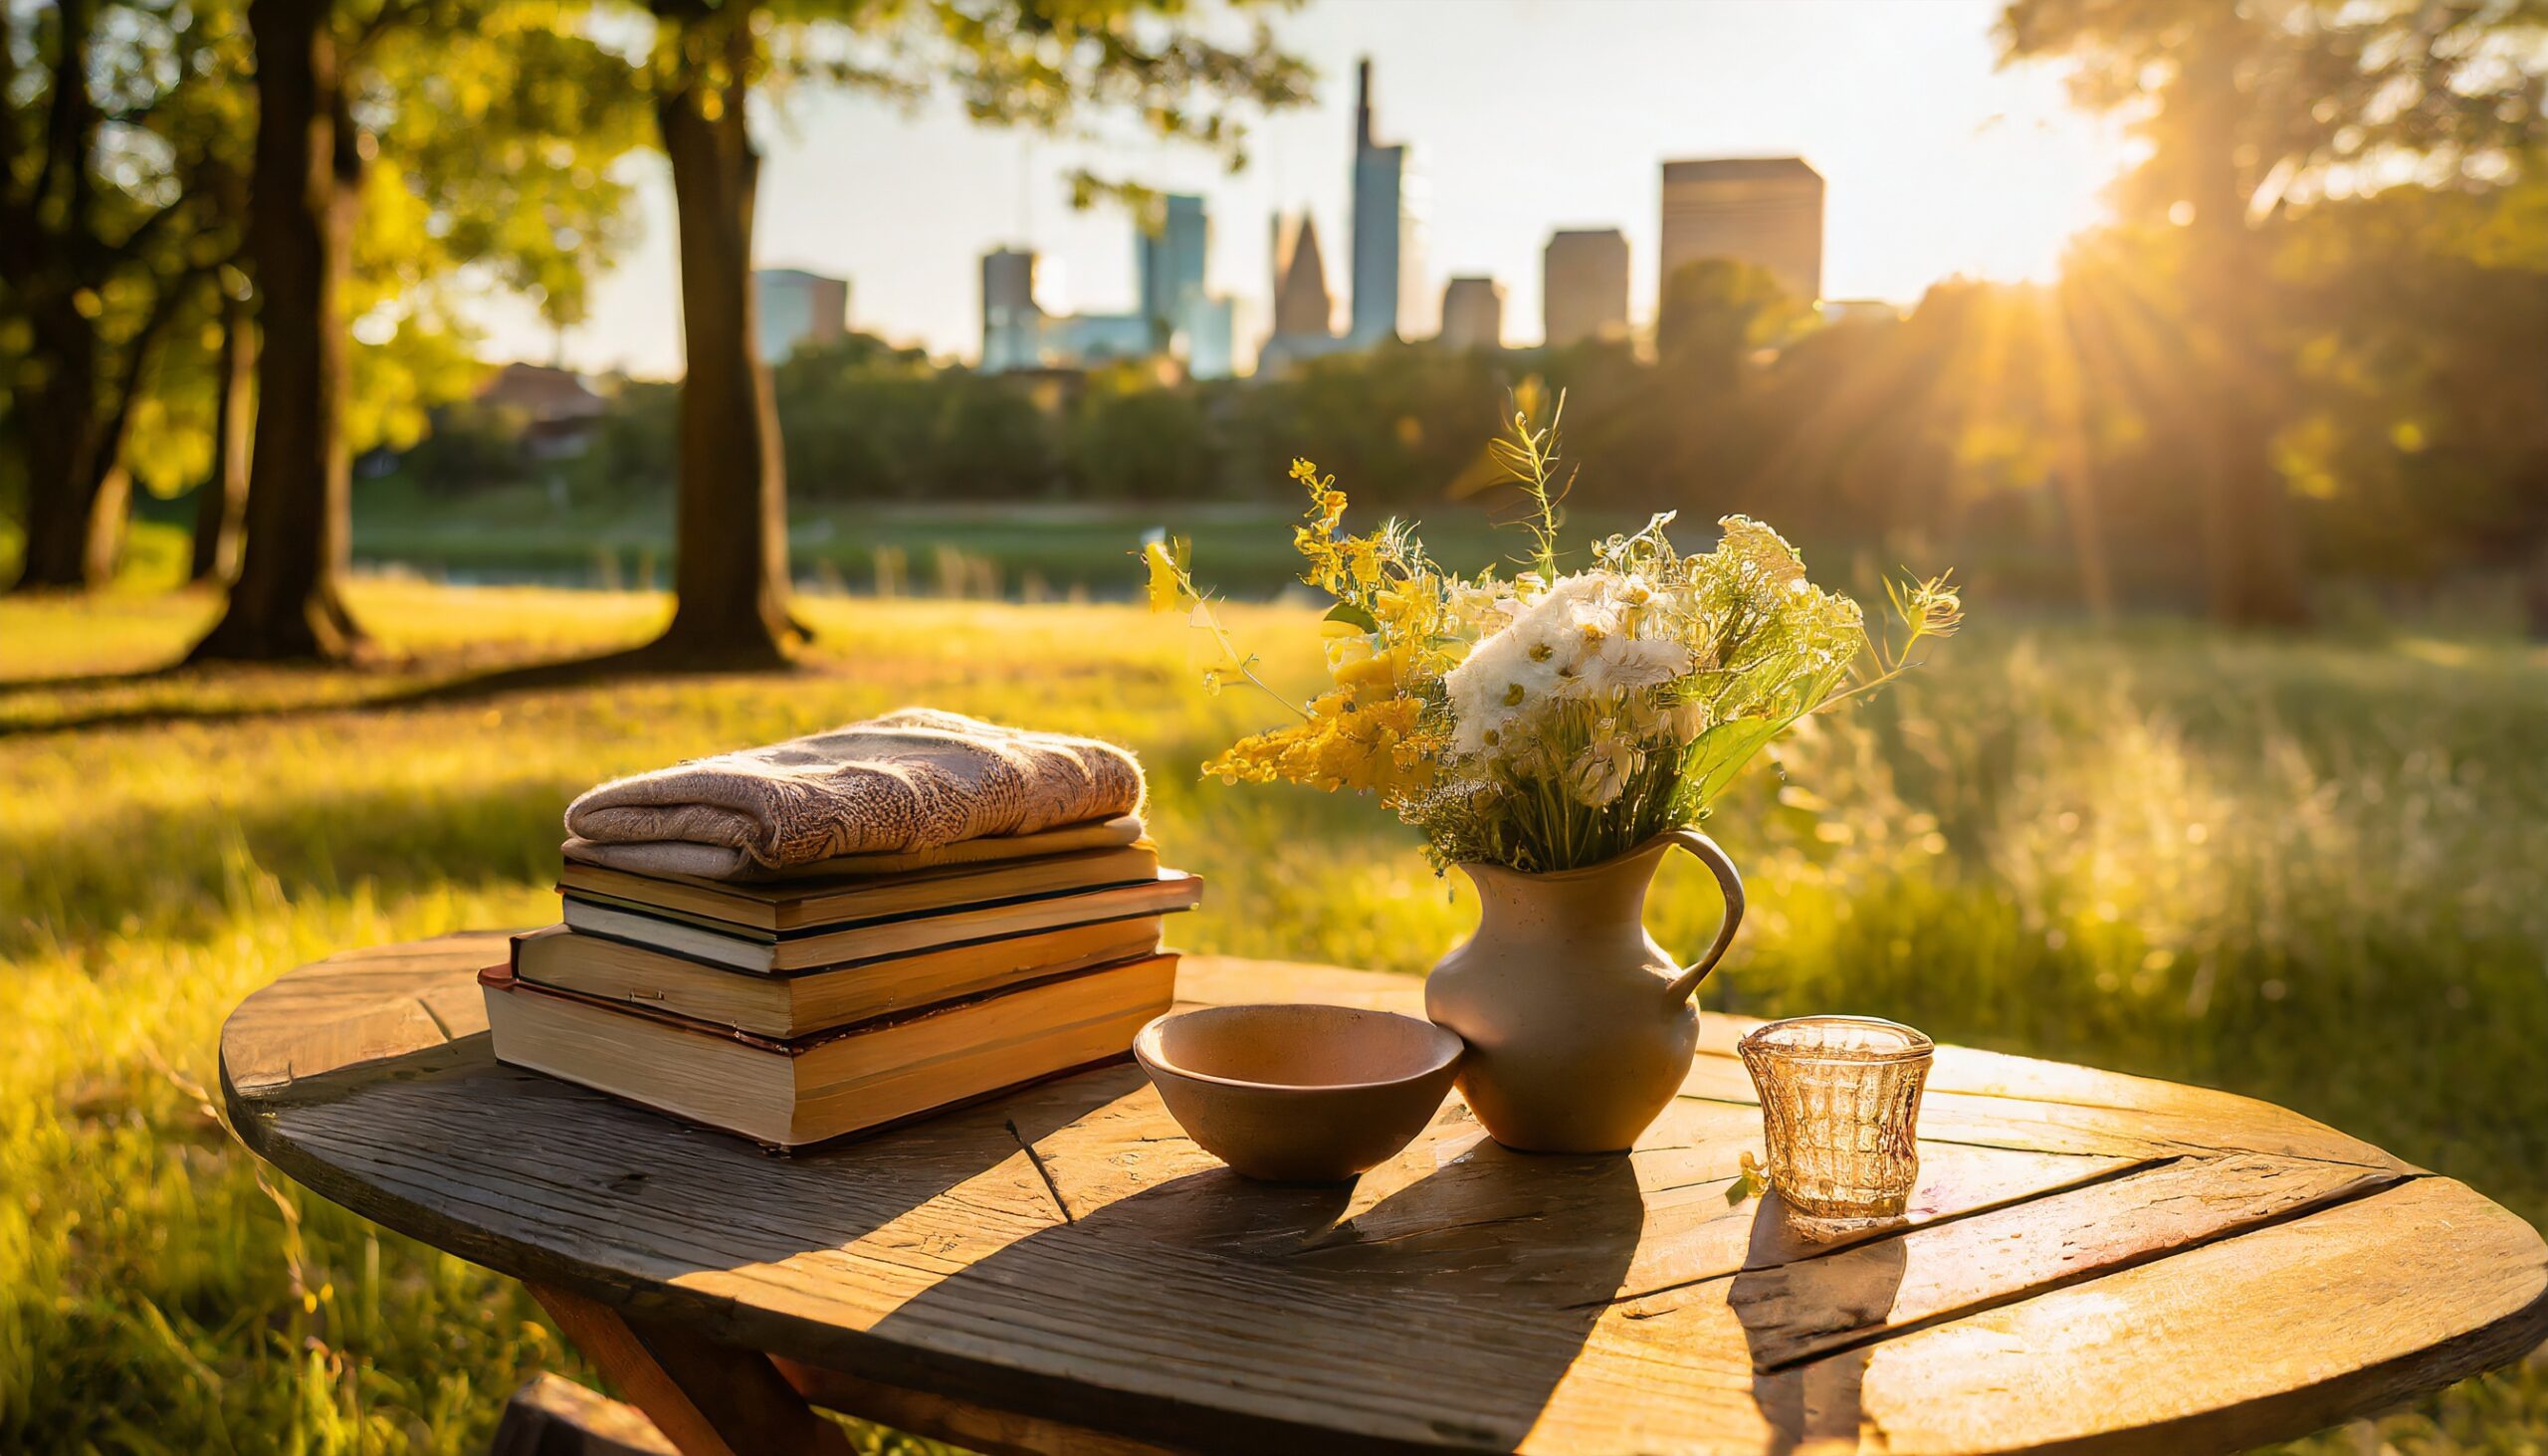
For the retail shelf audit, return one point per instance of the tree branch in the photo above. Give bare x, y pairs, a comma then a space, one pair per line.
71, 120
149, 228
142, 345
9, 144
392, 15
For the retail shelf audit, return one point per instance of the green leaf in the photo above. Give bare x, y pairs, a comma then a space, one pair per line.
1352, 615
1720, 752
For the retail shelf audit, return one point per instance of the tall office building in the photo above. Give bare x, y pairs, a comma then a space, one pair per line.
1012, 324
1473, 315
1765, 211
1185, 320
1388, 232
1584, 285
799, 310
1169, 265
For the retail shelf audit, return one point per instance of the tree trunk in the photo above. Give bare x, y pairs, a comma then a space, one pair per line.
221, 502
303, 195
730, 578
79, 405
2252, 552
64, 476
77, 494
2534, 592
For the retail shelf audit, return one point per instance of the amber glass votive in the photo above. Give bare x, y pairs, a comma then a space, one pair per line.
1841, 1110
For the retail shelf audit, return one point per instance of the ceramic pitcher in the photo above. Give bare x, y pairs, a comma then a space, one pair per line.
1579, 1026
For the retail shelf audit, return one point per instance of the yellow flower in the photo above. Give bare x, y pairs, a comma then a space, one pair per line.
1363, 561
1372, 674
1168, 589
1340, 746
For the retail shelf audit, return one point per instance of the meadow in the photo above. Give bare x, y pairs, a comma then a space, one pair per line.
2307, 870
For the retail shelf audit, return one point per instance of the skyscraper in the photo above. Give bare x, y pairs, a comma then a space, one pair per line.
1765, 211
1388, 230
1584, 285
1170, 265
798, 309
1473, 313
1302, 303
1012, 324
1304, 311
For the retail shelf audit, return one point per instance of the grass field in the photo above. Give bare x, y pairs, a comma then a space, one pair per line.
2306, 872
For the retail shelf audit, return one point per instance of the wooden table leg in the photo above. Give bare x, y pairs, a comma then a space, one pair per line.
708, 1400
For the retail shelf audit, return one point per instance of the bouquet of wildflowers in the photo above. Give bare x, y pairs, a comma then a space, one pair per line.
1545, 720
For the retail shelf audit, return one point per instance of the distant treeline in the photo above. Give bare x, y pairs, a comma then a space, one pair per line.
1991, 421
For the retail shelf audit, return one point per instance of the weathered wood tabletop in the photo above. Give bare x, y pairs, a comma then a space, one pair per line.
2093, 1260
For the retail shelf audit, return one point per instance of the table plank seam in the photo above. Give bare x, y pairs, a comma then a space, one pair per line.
1944, 1220
2160, 1149
1043, 1173
2311, 1208
435, 1017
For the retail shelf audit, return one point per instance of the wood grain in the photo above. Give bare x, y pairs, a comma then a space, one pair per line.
1062, 1270
2292, 1328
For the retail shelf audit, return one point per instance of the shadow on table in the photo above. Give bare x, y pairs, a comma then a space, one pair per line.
1797, 1300
543, 1180
1446, 1311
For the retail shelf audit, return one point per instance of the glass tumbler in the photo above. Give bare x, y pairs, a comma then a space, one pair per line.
1840, 1109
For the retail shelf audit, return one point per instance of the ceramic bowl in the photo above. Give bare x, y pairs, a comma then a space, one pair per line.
1297, 1093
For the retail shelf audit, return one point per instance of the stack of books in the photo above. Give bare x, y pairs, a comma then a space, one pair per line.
847, 994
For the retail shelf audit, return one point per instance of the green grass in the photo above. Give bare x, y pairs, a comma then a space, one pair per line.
2305, 872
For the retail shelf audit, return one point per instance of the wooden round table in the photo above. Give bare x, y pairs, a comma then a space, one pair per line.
2091, 1261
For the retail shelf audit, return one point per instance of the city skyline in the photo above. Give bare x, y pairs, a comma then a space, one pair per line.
1978, 171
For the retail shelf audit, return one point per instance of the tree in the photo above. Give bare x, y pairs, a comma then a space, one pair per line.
303, 202
2420, 434
2252, 112
1714, 315
1696, 418
1133, 439
115, 147
221, 498
453, 131
1028, 63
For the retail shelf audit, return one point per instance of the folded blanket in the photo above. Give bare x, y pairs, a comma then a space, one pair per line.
909, 781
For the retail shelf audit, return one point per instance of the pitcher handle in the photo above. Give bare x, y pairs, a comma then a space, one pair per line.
1729, 881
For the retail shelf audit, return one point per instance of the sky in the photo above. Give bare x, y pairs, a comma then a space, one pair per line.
1525, 115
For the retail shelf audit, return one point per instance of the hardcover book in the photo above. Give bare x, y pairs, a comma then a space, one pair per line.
799, 1003
792, 1093
749, 948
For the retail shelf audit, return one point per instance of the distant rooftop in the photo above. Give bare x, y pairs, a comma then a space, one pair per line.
1738, 170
